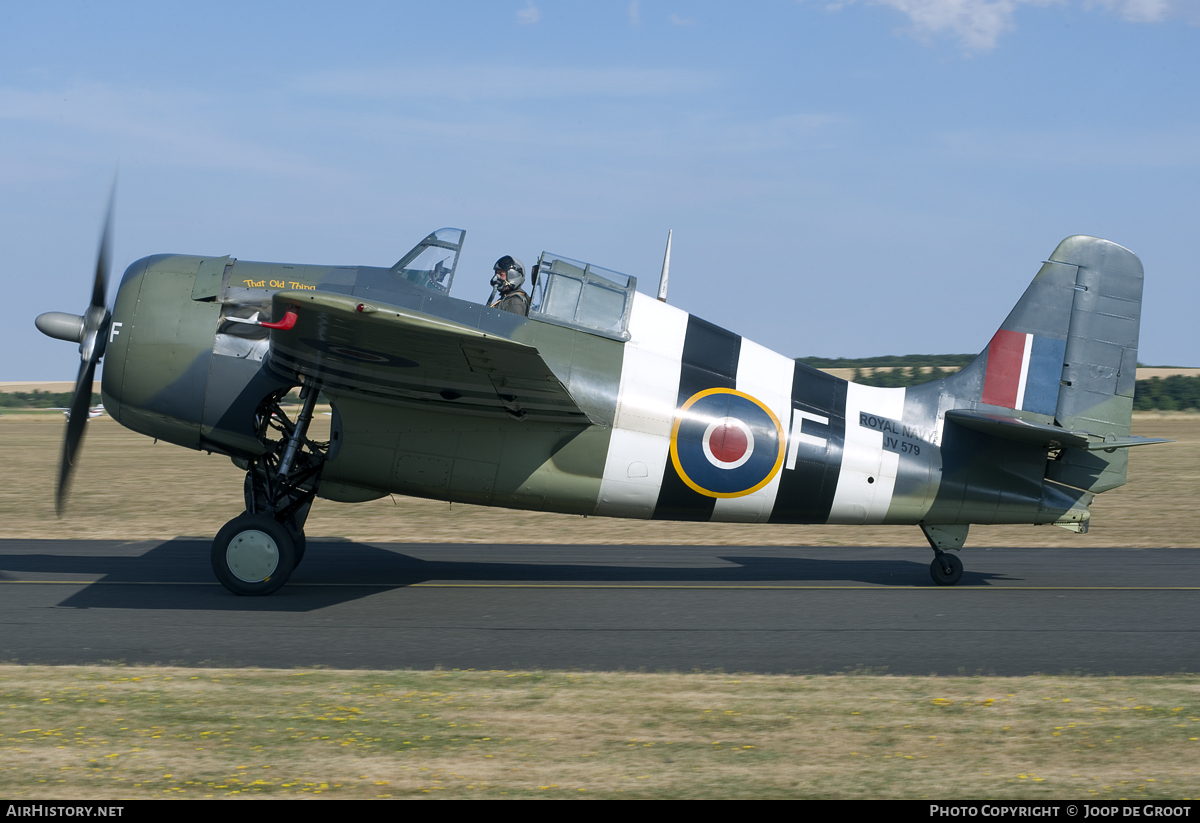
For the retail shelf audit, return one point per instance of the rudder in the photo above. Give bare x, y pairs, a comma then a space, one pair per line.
1100, 364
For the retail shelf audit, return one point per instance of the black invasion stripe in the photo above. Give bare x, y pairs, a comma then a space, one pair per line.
806, 492
710, 361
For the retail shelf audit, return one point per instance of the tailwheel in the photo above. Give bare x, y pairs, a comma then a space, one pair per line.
253, 554
946, 569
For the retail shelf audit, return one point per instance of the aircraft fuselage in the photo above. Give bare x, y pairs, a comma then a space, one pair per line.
674, 419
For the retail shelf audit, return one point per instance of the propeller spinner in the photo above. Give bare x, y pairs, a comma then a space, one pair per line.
90, 331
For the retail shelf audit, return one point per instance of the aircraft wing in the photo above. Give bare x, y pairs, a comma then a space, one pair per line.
405, 356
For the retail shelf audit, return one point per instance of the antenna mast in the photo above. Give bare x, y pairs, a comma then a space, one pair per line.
666, 270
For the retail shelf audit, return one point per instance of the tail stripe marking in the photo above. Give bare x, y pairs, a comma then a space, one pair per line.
1045, 374
1026, 350
1023, 371
1004, 369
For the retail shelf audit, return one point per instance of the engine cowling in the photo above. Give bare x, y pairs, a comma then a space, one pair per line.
162, 377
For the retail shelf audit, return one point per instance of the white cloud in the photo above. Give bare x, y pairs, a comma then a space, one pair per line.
1150, 11
682, 21
635, 14
529, 15
1139, 11
978, 24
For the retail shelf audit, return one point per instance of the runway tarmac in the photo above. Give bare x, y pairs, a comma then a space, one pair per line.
654, 608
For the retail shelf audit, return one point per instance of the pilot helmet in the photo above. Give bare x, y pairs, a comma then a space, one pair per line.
513, 270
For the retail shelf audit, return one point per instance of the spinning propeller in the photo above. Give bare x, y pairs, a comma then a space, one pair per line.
90, 331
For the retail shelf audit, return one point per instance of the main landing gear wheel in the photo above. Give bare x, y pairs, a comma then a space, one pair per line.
299, 541
253, 554
946, 569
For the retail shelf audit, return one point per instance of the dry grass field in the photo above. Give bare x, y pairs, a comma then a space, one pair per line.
95, 732
128, 487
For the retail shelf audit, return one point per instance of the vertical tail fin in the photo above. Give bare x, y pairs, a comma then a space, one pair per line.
1067, 354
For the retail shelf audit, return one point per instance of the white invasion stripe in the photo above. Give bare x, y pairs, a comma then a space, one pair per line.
641, 438
868, 474
767, 377
1024, 370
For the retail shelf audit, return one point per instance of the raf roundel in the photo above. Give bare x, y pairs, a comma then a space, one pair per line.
726, 443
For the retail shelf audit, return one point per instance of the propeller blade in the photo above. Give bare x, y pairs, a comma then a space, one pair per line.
104, 258
93, 332
77, 417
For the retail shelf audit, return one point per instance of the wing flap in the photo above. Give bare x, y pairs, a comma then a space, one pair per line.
412, 358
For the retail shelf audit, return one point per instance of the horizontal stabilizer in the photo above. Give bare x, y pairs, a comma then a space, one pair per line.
1041, 434
1125, 442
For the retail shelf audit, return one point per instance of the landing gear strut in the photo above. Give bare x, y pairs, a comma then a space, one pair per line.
946, 569
256, 552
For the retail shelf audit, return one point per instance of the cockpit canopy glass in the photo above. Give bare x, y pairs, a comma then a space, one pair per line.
433, 261
580, 294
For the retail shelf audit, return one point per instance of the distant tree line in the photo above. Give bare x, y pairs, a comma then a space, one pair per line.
897, 378
40, 399
1174, 393
890, 361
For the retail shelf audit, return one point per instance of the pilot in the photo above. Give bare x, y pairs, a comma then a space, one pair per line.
506, 282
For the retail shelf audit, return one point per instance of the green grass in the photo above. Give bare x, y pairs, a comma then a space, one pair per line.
116, 732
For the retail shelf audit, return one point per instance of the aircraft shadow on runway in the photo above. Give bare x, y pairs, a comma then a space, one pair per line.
177, 575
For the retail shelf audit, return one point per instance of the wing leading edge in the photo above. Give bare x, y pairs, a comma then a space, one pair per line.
411, 358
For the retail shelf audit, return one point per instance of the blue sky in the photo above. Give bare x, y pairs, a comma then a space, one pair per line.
843, 179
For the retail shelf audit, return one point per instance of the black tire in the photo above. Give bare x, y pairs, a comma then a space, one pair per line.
946, 569
253, 555
299, 541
